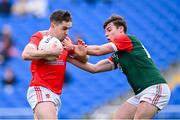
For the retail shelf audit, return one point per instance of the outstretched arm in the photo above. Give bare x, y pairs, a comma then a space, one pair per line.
98, 50
101, 66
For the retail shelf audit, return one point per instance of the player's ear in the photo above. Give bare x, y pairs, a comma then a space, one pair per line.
53, 24
121, 28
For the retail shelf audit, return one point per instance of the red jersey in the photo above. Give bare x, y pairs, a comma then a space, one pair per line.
49, 74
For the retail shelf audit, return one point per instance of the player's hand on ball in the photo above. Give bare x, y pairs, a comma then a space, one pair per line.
50, 48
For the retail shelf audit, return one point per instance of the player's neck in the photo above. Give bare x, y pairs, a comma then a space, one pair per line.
51, 32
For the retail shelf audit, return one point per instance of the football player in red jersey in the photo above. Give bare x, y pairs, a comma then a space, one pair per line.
48, 75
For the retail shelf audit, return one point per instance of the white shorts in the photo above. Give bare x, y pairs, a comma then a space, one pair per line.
157, 95
37, 94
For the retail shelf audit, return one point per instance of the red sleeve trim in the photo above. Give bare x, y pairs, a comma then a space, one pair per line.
110, 58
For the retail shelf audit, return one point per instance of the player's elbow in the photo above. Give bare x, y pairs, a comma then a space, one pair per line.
94, 70
25, 56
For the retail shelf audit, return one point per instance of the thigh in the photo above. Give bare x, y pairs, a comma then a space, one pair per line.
37, 94
157, 95
145, 110
45, 110
126, 111
35, 117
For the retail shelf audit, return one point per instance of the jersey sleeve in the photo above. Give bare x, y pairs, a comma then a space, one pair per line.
123, 43
35, 39
110, 59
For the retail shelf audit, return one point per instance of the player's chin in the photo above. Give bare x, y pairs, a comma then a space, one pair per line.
61, 39
64, 37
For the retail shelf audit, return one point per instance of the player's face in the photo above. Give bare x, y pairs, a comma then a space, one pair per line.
62, 29
112, 32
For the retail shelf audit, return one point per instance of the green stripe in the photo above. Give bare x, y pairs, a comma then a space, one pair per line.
155, 102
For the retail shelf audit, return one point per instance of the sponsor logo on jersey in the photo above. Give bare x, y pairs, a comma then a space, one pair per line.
57, 62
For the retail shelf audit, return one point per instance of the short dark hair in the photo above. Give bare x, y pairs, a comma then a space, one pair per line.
117, 21
60, 15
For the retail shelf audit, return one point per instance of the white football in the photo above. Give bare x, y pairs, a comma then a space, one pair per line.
50, 43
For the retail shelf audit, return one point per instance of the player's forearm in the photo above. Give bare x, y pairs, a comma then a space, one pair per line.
82, 59
30, 52
33, 54
89, 67
94, 50
101, 66
85, 66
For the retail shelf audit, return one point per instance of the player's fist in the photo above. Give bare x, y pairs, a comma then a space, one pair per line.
81, 42
67, 44
80, 50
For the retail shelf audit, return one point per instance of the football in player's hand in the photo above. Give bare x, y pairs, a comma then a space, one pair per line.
51, 44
